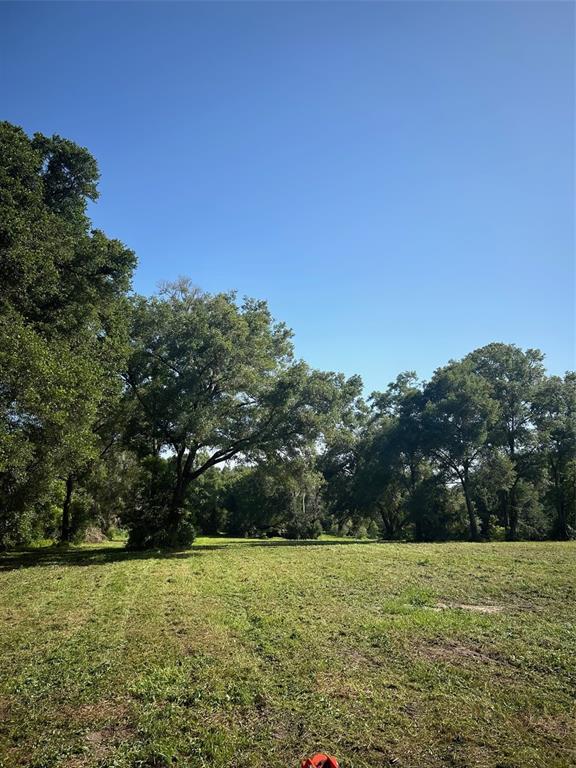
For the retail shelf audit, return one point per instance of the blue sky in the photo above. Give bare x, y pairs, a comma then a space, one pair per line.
397, 179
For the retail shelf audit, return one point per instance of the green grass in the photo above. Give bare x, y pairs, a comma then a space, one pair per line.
251, 653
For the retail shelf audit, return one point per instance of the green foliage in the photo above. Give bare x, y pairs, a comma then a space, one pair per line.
252, 501
491, 482
554, 414
491, 425
457, 419
205, 501
274, 499
373, 530
60, 329
434, 511
212, 380
514, 378
188, 410
361, 532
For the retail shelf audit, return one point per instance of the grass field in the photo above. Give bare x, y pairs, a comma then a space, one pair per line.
257, 653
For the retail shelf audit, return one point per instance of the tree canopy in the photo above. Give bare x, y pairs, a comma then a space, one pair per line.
187, 411
62, 329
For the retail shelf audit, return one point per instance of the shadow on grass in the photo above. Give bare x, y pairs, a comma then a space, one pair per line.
83, 556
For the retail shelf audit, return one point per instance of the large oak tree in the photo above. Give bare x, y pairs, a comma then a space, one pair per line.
212, 379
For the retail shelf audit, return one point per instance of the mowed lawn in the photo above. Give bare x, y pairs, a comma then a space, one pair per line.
254, 653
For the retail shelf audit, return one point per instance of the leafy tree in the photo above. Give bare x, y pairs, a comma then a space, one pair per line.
48, 397
111, 484
379, 487
60, 287
275, 499
395, 457
491, 482
434, 510
206, 500
457, 418
513, 377
554, 413
372, 530
304, 507
403, 402
252, 502
212, 380
338, 463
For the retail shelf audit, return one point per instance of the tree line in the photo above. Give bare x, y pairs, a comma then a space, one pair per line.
188, 412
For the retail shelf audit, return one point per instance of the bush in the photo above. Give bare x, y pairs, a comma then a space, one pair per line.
80, 516
373, 530
334, 529
345, 528
496, 532
179, 537
94, 535
303, 529
361, 532
147, 518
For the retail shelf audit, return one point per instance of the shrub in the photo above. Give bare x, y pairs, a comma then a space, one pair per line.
361, 532
373, 530
163, 537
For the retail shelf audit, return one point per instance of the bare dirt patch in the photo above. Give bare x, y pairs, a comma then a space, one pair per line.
5, 709
107, 724
469, 607
104, 712
77, 761
100, 743
334, 686
556, 727
452, 652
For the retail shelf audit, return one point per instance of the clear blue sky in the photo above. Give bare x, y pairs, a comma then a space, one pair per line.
397, 179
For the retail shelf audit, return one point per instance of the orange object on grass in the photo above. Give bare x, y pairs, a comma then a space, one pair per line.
320, 761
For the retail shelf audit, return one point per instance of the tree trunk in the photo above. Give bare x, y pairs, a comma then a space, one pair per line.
176, 506
390, 521
512, 515
484, 515
472, 522
183, 477
512, 510
561, 524
66, 528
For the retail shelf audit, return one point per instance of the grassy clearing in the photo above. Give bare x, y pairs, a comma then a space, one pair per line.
257, 653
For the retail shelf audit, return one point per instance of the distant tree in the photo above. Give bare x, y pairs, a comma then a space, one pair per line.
373, 530
434, 510
491, 481
554, 414
379, 486
252, 502
304, 507
206, 501
338, 463
275, 499
457, 418
513, 376
403, 402
395, 455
